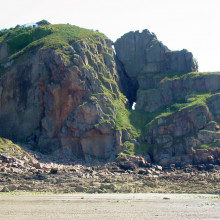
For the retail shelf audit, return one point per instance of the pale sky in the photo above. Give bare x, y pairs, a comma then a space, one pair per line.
190, 24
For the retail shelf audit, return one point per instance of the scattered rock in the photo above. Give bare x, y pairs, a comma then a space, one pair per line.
37, 165
159, 168
143, 171
24, 188
5, 189
127, 165
54, 171
80, 189
9, 188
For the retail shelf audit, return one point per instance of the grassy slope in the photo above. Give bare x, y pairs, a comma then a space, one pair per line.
8, 147
22, 39
193, 102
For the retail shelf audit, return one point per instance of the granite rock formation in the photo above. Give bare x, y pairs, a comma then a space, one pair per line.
141, 56
63, 99
62, 90
180, 103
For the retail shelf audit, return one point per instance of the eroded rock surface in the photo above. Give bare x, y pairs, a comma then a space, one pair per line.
178, 104
142, 57
64, 100
143, 53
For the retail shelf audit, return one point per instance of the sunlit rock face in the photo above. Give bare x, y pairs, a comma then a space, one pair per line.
64, 103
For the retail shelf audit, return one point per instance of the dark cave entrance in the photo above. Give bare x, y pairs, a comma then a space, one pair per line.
128, 85
131, 92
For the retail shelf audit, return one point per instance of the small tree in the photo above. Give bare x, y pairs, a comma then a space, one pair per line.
43, 22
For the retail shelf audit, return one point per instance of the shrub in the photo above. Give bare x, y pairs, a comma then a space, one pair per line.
43, 22
23, 36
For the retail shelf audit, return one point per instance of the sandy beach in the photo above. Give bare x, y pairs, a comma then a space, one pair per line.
109, 206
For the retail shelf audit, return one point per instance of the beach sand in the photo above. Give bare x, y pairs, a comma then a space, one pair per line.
109, 206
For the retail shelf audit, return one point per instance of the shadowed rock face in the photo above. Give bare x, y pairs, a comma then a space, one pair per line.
186, 120
143, 53
141, 57
4, 51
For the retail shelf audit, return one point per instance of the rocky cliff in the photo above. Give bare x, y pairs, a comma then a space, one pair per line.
62, 96
141, 57
63, 90
179, 105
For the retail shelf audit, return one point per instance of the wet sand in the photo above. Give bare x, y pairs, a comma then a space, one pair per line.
109, 206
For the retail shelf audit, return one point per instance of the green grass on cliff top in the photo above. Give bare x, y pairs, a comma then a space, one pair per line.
184, 76
194, 101
56, 36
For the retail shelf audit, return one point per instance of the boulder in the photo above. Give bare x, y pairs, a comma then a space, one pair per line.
128, 162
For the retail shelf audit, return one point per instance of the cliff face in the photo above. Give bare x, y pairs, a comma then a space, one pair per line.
143, 53
64, 99
61, 91
142, 58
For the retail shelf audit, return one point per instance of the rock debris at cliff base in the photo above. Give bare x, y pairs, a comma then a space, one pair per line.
133, 174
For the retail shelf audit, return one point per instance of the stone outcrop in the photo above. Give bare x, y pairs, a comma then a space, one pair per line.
61, 102
169, 90
180, 103
142, 57
68, 99
187, 121
184, 137
143, 53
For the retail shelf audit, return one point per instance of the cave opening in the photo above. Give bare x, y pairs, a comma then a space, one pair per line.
131, 92
128, 84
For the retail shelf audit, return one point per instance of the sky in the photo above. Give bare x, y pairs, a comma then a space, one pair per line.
180, 24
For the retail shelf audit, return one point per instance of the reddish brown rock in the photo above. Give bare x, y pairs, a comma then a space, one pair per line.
63, 104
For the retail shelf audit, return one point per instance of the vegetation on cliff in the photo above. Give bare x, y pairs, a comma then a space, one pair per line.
7, 146
21, 40
76, 70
